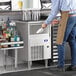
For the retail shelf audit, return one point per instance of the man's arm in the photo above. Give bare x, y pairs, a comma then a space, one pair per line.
53, 13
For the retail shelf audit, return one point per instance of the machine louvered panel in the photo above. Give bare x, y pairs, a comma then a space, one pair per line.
37, 52
55, 51
55, 60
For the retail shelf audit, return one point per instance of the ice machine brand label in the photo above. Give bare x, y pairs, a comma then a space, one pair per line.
46, 40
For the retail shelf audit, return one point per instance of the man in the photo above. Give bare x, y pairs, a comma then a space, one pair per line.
70, 32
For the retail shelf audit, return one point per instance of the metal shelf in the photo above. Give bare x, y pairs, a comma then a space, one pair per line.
9, 48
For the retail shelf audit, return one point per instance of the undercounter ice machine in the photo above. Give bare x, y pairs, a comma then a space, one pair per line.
37, 46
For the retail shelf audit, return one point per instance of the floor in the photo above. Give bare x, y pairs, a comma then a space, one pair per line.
41, 72
38, 69
21, 67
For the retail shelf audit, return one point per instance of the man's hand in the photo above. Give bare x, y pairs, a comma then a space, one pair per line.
54, 22
44, 25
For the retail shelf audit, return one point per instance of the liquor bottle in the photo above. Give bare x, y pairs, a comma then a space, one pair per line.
8, 22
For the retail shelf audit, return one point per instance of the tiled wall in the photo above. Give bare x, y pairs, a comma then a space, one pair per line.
13, 15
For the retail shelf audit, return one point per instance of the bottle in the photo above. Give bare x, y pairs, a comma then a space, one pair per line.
12, 40
8, 22
17, 38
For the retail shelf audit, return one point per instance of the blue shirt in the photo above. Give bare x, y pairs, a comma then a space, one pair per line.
63, 5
